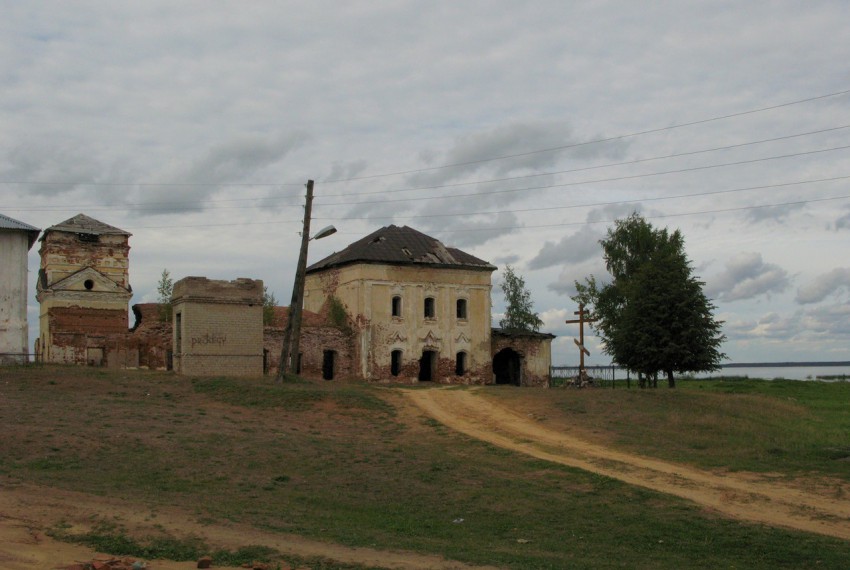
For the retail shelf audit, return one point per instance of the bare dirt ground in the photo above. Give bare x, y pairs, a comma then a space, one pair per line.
813, 506
26, 512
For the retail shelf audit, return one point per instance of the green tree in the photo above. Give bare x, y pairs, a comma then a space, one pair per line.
519, 312
164, 289
269, 304
653, 315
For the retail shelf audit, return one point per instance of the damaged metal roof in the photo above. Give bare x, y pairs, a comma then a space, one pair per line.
401, 246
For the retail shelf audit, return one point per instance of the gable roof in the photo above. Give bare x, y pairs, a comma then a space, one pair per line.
7, 223
393, 245
83, 224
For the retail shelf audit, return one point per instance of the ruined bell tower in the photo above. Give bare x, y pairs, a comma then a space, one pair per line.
83, 290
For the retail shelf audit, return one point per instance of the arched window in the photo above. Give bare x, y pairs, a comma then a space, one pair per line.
460, 364
395, 363
397, 306
461, 308
430, 308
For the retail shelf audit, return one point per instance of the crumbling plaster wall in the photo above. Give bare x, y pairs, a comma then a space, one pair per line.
367, 290
84, 294
536, 353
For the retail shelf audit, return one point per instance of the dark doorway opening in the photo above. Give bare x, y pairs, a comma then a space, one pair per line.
427, 365
395, 363
507, 366
328, 365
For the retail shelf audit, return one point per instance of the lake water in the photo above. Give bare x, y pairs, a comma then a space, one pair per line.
788, 372
768, 372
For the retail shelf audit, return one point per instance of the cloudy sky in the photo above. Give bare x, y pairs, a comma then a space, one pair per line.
518, 131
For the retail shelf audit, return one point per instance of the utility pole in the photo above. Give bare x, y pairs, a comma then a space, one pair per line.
292, 333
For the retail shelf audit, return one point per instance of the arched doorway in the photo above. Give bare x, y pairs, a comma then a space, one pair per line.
427, 365
507, 367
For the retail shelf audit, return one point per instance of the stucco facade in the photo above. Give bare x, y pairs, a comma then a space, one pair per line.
16, 239
387, 305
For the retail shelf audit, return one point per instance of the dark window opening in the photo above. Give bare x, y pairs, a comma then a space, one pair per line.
89, 238
298, 366
396, 306
427, 365
460, 364
178, 333
88, 284
395, 363
461, 308
430, 308
328, 365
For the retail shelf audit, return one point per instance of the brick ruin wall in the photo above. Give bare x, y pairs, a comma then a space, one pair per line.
530, 348
315, 340
219, 327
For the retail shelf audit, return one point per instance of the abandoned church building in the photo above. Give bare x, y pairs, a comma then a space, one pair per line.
84, 291
417, 311
394, 306
16, 239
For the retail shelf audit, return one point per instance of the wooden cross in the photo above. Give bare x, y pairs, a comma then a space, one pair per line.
580, 342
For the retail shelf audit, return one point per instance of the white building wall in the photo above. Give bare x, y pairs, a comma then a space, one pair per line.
14, 332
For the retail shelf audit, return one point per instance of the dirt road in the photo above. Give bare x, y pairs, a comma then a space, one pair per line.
27, 511
821, 509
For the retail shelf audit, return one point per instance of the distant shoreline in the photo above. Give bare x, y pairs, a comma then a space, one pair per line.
835, 363
784, 364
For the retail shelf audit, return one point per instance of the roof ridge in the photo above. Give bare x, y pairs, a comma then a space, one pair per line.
84, 224
401, 246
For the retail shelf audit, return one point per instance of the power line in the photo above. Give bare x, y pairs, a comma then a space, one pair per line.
163, 205
587, 205
598, 180
431, 168
657, 216
488, 192
584, 168
585, 143
527, 210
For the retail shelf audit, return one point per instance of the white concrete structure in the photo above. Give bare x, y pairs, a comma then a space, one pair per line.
16, 239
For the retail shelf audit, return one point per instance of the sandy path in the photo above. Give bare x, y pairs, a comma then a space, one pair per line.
26, 511
745, 497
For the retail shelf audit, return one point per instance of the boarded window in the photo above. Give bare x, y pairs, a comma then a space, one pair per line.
395, 363
430, 308
397, 306
461, 308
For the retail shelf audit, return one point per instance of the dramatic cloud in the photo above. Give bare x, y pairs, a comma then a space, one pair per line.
747, 276
835, 281
521, 141
573, 248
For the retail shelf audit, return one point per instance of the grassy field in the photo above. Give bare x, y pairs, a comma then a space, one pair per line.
351, 464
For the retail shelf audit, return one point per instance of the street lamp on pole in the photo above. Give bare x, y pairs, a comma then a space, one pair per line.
292, 333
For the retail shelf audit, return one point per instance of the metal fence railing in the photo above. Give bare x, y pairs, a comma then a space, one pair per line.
599, 376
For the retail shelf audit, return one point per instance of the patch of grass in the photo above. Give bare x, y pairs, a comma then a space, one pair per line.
253, 394
789, 426
337, 462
